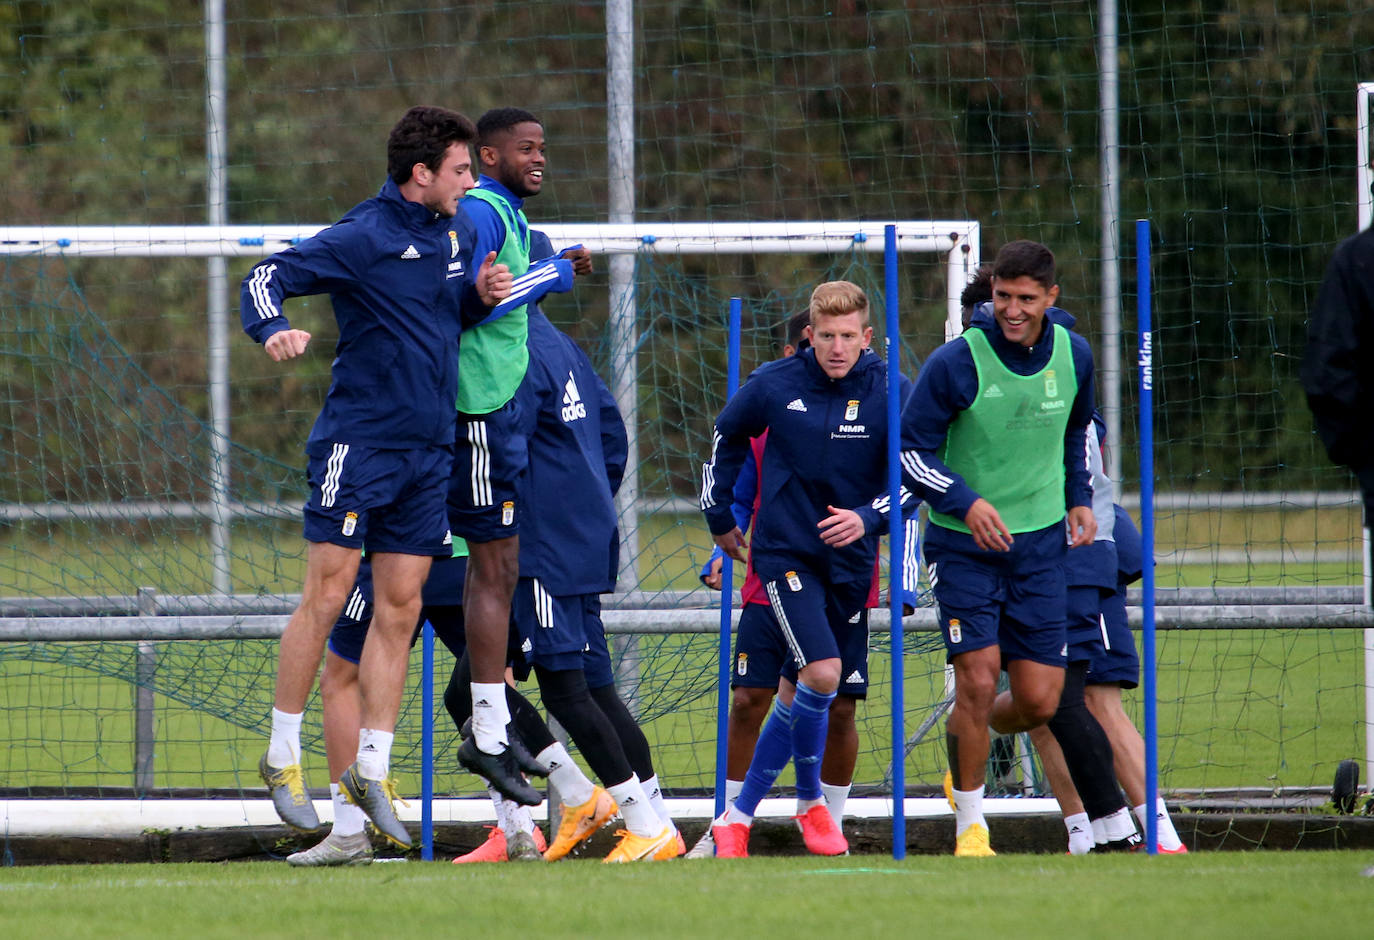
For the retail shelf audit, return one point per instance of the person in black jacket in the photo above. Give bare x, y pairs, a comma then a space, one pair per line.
1336, 365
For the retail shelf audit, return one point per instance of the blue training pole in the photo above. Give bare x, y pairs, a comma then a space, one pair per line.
1147, 529
896, 549
427, 747
727, 586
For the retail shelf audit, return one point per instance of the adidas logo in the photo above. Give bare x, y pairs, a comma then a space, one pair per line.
853, 677
573, 408
1075, 828
481, 703
410, 254
370, 747
796, 404
994, 392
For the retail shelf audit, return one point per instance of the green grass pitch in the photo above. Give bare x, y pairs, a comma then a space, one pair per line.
1203, 895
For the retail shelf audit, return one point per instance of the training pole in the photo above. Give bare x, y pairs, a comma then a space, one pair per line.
896, 532
1147, 530
727, 586
427, 746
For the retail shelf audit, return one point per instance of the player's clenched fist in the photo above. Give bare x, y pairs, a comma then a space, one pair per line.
494, 281
287, 344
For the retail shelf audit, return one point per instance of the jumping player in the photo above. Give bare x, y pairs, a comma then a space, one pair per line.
493, 359
398, 268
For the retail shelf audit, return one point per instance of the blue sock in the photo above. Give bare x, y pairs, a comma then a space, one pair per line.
770, 757
810, 719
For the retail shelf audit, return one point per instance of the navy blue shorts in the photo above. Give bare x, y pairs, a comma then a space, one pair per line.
1084, 628
562, 633
1014, 600
760, 649
1117, 661
392, 500
490, 454
350, 630
762, 654
816, 618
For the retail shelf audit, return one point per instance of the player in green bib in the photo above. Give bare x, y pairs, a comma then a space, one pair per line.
490, 454
993, 440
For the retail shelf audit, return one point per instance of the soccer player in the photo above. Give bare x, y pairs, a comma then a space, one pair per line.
762, 655
569, 556
398, 269
1117, 667
821, 508
1074, 748
993, 440
493, 359
1086, 755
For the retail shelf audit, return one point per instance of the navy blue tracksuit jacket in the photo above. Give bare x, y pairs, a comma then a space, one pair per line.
827, 446
577, 452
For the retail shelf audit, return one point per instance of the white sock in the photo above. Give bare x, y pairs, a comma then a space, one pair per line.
1080, 833
519, 816
567, 778
1164, 826
804, 806
640, 817
968, 809
498, 803
374, 752
733, 815
490, 716
510, 815
284, 747
1119, 825
348, 819
732, 789
835, 797
1099, 832
655, 794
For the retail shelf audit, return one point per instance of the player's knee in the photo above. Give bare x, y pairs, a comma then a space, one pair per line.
324, 600
340, 677
975, 692
1041, 708
822, 676
749, 706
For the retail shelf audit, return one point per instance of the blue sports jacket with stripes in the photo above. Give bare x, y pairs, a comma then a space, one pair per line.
827, 446
400, 279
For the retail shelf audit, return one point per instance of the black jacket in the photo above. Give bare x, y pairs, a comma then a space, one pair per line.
1338, 364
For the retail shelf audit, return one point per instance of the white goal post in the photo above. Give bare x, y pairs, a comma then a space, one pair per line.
1364, 180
